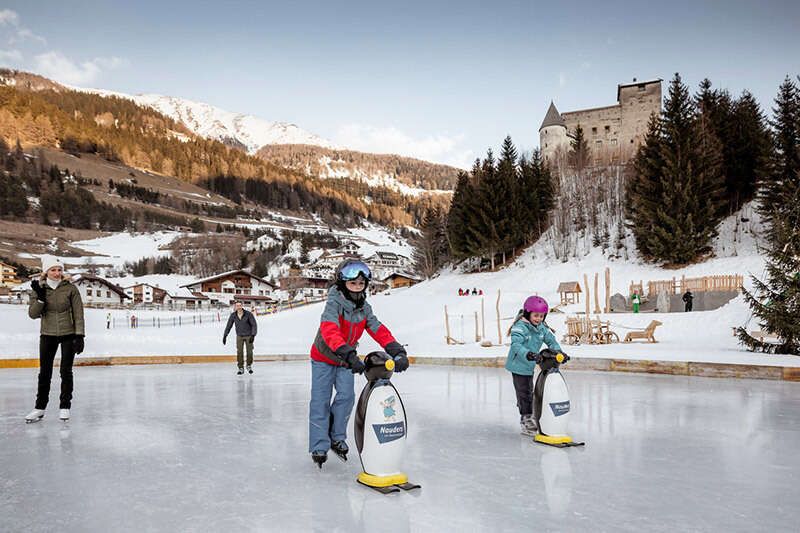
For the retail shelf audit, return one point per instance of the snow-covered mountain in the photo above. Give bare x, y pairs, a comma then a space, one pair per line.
236, 129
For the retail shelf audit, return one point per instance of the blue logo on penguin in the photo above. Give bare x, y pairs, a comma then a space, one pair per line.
389, 432
388, 407
560, 408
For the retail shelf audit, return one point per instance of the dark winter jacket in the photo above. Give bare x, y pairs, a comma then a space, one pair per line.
688, 297
245, 326
343, 323
61, 312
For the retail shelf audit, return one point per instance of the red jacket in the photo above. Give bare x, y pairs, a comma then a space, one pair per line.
342, 323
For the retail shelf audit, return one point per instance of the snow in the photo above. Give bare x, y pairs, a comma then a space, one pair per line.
212, 122
338, 168
119, 248
197, 448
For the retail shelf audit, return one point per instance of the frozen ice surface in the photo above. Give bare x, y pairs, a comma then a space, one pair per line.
196, 448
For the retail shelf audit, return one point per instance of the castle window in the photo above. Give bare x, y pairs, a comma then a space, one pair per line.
640, 87
545, 145
631, 141
608, 128
613, 142
598, 142
594, 131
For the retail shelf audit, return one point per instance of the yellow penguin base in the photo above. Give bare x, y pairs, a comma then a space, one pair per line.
382, 481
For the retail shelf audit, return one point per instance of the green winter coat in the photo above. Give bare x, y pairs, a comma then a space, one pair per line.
525, 337
62, 314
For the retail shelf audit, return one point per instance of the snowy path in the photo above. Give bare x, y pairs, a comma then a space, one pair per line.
195, 448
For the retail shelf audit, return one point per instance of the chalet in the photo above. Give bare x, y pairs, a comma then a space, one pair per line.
95, 290
8, 275
305, 287
185, 299
144, 293
224, 288
382, 264
395, 280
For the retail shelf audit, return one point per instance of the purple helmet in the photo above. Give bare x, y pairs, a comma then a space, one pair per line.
536, 304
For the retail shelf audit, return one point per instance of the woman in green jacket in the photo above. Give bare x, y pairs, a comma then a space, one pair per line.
528, 333
58, 304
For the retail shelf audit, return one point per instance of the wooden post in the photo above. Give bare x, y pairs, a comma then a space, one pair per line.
483, 321
446, 326
596, 293
477, 336
499, 332
588, 319
608, 289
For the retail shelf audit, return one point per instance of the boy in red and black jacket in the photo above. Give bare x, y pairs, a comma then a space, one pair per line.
334, 360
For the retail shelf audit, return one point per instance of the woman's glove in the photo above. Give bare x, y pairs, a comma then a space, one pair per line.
77, 344
41, 294
348, 354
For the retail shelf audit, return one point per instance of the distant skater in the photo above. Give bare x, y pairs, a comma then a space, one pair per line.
246, 330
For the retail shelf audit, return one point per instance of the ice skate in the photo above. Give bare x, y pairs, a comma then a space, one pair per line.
34, 416
249, 369
528, 426
63, 414
240, 371
340, 449
319, 458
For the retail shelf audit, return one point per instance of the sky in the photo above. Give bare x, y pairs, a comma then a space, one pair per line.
442, 81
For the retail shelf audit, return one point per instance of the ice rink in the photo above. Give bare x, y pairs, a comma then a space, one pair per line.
197, 448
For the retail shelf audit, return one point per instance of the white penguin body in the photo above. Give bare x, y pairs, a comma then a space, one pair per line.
383, 430
554, 404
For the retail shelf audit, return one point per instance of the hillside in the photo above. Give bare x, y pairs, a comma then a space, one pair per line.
403, 174
39, 113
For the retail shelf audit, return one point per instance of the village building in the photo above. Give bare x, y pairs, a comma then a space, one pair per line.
396, 280
95, 290
144, 293
184, 299
297, 287
226, 287
8, 275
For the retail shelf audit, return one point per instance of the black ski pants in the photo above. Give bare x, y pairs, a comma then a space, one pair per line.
48, 345
524, 387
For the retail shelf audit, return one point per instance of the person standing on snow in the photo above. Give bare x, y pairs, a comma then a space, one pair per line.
528, 333
246, 330
688, 297
334, 361
58, 304
637, 301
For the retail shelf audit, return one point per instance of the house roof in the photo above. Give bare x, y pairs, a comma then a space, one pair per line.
251, 298
569, 286
92, 277
185, 294
229, 273
144, 285
403, 274
552, 118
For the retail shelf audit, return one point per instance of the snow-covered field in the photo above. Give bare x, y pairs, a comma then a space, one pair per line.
416, 317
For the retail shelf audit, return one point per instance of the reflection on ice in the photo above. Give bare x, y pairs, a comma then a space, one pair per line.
197, 448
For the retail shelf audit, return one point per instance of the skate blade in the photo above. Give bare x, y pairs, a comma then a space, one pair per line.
383, 490
408, 486
342, 458
34, 420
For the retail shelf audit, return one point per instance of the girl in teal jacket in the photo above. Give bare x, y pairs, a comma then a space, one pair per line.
528, 333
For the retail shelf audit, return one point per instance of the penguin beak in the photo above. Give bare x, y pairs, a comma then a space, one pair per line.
389, 365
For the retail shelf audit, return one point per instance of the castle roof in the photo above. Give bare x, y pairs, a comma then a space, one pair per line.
552, 118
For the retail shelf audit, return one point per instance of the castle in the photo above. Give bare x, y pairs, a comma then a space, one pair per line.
613, 132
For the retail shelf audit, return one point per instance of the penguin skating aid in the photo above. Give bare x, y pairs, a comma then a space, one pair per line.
551, 403
381, 428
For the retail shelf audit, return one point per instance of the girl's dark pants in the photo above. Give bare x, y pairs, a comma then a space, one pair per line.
524, 387
48, 345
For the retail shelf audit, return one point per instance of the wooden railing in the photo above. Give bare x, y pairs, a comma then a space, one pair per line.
729, 282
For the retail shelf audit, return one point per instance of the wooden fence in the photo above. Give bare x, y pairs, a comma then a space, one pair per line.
729, 282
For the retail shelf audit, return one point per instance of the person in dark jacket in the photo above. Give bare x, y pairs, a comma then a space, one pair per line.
688, 297
57, 302
246, 330
334, 360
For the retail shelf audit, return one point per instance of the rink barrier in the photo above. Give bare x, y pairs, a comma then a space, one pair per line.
643, 366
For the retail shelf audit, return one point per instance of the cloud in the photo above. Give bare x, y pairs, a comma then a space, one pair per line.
8, 17
24, 34
562, 79
57, 66
439, 148
10, 56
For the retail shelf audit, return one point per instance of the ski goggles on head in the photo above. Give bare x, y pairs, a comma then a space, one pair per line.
351, 271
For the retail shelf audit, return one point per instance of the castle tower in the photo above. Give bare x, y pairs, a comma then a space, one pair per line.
553, 137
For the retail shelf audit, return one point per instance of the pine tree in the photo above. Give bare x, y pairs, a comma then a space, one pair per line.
428, 251
747, 151
644, 189
776, 301
684, 181
457, 217
579, 155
